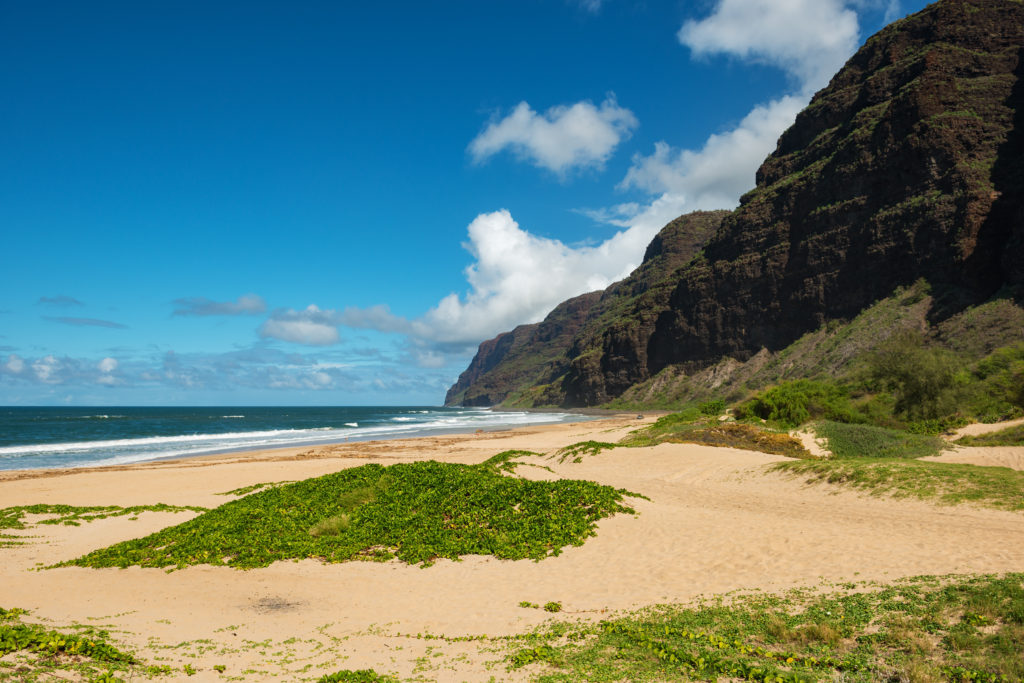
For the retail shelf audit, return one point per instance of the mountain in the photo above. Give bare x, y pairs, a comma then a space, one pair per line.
907, 167
535, 355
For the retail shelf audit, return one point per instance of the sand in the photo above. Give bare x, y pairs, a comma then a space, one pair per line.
716, 521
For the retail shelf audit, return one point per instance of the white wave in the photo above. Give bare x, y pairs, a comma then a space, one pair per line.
127, 451
79, 446
232, 416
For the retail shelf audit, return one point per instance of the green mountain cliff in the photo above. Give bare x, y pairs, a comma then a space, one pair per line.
905, 174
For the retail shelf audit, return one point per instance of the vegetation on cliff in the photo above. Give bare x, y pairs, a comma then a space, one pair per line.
895, 201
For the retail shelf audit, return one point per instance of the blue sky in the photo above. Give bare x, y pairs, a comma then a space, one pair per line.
333, 203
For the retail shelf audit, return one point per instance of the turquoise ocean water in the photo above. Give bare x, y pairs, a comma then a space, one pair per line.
88, 437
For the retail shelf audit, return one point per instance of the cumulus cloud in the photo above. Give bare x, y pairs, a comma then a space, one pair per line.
714, 176
15, 364
564, 137
59, 300
809, 39
85, 322
247, 304
107, 365
516, 278
311, 326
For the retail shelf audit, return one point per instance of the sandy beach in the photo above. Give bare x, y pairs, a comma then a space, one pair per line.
716, 521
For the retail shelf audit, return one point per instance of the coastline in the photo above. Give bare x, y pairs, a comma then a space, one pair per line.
125, 445
714, 520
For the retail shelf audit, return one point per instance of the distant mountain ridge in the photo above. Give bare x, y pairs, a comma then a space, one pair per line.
909, 165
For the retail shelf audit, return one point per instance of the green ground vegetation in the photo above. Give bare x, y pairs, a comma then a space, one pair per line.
866, 440
72, 515
924, 629
417, 512
33, 652
695, 425
1011, 436
359, 676
947, 483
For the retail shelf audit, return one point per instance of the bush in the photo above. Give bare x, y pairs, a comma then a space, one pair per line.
923, 379
791, 404
712, 408
861, 440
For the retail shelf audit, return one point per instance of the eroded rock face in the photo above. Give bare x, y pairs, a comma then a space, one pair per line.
528, 355
534, 356
909, 165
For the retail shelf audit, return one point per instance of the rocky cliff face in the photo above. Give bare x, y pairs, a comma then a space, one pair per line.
530, 357
909, 165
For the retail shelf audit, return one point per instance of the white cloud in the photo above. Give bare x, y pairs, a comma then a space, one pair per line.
374, 318
715, 176
516, 278
809, 39
47, 369
14, 364
107, 365
563, 137
247, 304
310, 326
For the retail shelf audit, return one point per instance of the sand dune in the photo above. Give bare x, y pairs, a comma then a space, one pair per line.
716, 521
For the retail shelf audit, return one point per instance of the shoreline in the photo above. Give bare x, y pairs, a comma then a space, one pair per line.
295, 452
341, 439
712, 521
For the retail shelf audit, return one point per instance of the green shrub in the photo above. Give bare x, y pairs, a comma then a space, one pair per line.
923, 379
793, 403
861, 440
712, 408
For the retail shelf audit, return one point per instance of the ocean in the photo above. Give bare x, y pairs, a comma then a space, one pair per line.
37, 437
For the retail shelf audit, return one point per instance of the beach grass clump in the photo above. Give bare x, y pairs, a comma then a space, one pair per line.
945, 483
921, 629
1011, 436
870, 441
418, 512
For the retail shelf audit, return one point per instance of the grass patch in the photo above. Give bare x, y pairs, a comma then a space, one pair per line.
576, 451
245, 490
694, 425
506, 460
923, 629
38, 651
72, 515
417, 512
360, 676
747, 437
862, 440
947, 483
1011, 436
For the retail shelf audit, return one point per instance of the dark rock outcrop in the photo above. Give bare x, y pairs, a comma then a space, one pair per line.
533, 356
909, 165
